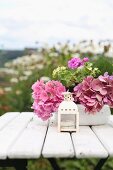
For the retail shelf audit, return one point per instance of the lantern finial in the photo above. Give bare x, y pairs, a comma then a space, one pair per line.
68, 96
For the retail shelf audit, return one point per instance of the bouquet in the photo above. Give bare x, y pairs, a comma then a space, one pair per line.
89, 88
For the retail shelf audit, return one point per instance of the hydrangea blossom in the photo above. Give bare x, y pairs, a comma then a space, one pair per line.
47, 97
94, 93
77, 62
108, 89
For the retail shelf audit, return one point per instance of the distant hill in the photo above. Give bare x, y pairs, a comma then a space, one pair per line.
7, 55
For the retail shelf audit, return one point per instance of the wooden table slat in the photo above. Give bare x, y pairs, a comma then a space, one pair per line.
87, 145
29, 144
57, 144
105, 135
7, 118
12, 131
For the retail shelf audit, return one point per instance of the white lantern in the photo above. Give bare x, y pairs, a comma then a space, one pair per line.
65, 110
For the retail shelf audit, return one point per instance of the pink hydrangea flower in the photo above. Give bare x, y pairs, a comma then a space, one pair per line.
77, 62
47, 97
94, 93
85, 95
108, 87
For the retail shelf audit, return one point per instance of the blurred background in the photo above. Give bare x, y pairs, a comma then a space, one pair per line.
39, 35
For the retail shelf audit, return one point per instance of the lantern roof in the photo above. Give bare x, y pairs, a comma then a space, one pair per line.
69, 106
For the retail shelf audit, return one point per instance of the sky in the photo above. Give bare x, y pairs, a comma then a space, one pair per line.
25, 22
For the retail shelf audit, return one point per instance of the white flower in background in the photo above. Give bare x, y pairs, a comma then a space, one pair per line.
89, 47
7, 89
9, 71
23, 78
36, 58
24, 61
77, 47
39, 66
27, 73
45, 79
27, 60
58, 46
18, 92
87, 50
15, 72
98, 49
55, 54
109, 53
77, 55
8, 64
32, 67
14, 80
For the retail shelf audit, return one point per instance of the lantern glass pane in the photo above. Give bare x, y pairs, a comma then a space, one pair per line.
68, 121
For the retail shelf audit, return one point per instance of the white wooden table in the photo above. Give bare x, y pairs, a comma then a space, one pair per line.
23, 136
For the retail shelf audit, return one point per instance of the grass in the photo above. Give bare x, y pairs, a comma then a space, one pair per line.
104, 64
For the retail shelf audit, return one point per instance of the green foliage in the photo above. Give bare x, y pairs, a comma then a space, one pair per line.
71, 77
104, 64
22, 91
19, 99
64, 75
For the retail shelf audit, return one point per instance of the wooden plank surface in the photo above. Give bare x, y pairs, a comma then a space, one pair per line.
105, 135
57, 144
23, 136
87, 145
29, 144
6, 118
12, 131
